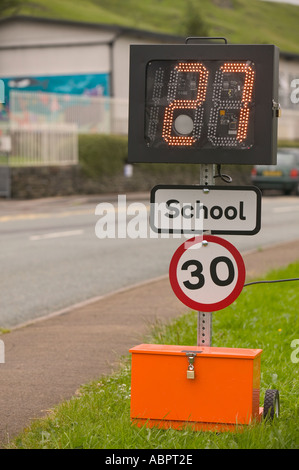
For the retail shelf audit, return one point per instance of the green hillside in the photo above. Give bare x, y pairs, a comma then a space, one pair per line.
240, 21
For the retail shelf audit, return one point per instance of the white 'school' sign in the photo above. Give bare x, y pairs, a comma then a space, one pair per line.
207, 273
193, 209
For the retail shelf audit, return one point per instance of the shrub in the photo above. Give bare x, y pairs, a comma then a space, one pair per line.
102, 155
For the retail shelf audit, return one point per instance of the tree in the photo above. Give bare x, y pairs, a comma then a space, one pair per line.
193, 23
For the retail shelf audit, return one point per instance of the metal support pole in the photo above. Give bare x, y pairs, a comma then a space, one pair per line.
204, 320
206, 176
204, 329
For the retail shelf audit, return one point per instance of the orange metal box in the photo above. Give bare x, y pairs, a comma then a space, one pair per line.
223, 389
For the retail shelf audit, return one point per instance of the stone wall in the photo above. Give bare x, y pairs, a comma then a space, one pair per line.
43, 181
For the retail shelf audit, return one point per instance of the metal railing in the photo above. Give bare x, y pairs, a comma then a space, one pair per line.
44, 127
38, 144
91, 114
44, 144
41, 123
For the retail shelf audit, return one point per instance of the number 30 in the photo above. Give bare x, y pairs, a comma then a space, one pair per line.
213, 271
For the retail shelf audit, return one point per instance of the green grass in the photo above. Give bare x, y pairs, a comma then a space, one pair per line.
264, 316
243, 21
288, 143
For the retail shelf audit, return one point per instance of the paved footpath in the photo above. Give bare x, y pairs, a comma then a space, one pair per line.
47, 361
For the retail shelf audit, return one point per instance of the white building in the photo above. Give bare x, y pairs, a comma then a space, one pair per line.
74, 58
38, 47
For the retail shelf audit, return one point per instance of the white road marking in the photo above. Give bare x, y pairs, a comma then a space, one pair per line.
55, 235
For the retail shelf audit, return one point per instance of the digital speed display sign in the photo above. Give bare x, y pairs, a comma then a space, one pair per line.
203, 104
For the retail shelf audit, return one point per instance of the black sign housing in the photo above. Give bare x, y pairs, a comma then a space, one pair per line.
211, 103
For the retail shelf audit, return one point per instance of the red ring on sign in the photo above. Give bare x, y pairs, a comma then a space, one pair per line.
197, 305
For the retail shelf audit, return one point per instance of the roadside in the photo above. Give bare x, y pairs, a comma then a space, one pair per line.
22, 207
47, 360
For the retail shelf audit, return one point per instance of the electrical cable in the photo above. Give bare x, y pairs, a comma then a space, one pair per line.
225, 178
270, 282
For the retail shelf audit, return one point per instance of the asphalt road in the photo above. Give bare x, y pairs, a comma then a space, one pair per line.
51, 258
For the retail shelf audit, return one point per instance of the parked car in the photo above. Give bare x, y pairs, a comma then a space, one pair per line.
284, 176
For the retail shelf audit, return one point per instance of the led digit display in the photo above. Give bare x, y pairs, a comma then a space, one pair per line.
179, 125
200, 104
203, 104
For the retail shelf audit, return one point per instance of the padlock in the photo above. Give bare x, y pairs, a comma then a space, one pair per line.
190, 370
190, 373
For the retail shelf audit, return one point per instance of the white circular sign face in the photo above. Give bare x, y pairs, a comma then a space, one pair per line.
207, 273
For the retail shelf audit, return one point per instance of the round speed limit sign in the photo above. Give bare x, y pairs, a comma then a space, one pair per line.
207, 273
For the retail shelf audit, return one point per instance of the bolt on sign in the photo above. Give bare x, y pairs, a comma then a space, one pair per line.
212, 103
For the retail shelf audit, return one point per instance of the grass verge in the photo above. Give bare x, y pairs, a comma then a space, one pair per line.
264, 316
